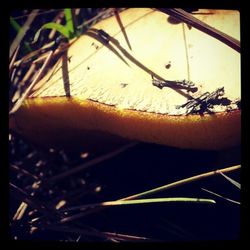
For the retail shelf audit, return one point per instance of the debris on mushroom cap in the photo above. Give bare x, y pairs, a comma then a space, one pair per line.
111, 82
99, 72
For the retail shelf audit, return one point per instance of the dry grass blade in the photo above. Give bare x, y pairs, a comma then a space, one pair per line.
26, 93
22, 32
42, 53
181, 182
140, 202
235, 183
95, 233
72, 218
223, 197
23, 171
13, 59
189, 19
89, 163
125, 237
42, 12
30, 74
118, 19
20, 211
85, 232
27, 58
99, 15
58, 19
23, 196
152, 191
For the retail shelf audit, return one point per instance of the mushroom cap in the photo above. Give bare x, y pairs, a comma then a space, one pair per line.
110, 75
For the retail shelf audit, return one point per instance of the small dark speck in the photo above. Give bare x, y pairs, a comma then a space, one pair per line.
167, 66
96, 46
88, 68
69, 59
173, 20
190, 10
123, 85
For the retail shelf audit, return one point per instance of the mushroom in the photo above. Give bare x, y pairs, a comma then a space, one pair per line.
116, 86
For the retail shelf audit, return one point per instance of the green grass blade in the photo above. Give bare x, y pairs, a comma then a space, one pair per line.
19, 29
140, 202
58, 27
15, 24
22, 32
157, 200
69, 21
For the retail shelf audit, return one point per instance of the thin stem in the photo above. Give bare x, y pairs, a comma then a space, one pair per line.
95, 233
88, 232
99, 15
58, 19
196, 23
38, 14
119, 236
123, 30
22, 32
218, 195
26, 93
186, 50
20, 211
139, 201
23, 171
23, 196
181, 182
235, 183
14, 58
18, 29
153, 191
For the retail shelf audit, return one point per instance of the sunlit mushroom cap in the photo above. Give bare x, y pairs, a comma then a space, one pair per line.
135, 78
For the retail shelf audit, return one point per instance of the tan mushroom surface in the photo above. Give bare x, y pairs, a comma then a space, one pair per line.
104, 86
